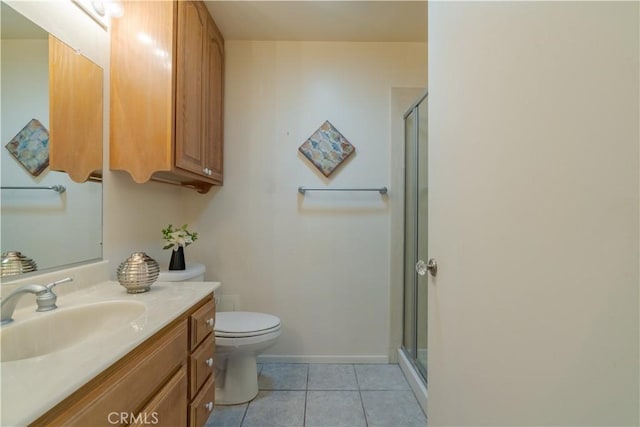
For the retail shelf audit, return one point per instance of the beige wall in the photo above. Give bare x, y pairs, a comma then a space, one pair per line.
534, 199
320, 262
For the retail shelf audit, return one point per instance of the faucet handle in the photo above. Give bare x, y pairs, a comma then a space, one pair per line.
47, 300
51, 285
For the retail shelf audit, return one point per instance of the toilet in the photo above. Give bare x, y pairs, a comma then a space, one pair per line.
193, 272
240, 337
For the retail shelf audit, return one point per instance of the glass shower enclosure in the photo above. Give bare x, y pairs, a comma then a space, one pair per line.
415, 235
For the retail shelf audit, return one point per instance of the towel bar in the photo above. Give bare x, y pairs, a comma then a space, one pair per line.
56, 188
381, 190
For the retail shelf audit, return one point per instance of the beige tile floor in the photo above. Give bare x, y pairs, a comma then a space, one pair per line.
323, 395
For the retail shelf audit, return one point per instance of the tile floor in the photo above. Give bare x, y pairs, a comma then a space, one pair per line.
322, 395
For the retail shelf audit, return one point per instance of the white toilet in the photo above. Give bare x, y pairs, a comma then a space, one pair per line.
240, 337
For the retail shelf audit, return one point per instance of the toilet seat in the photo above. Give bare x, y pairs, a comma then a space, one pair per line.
246, 334
243, 324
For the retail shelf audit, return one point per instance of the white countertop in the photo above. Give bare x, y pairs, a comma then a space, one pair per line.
31, 387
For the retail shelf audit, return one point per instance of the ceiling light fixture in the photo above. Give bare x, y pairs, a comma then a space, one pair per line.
101, 10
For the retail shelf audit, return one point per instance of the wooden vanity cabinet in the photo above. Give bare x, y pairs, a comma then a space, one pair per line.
201, 364
167, 71
166, 381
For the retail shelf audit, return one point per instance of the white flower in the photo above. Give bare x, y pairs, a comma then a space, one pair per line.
177, 238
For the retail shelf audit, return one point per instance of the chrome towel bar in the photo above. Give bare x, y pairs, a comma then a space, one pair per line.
56, 188
303, 190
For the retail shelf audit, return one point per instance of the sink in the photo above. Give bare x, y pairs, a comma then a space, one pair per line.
64, 327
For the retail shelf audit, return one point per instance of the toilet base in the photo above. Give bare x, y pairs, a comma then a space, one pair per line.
240, 381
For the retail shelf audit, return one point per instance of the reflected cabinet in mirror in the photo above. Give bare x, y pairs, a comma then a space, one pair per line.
51, 121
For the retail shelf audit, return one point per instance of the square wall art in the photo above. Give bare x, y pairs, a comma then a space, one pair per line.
30, 147
327, 149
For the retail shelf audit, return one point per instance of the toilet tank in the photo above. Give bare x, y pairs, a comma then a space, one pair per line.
194, 272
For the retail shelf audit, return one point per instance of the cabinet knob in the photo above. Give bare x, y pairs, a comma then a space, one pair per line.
209, 362
209, 322
209, 406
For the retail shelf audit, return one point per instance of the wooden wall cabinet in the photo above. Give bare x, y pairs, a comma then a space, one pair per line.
75, 113
167, 381
167, 73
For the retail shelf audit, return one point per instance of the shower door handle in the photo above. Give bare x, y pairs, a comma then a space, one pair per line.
431, 267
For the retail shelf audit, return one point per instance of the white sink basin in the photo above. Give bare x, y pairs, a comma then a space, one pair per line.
64, 327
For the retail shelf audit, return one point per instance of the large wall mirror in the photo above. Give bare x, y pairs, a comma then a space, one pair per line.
53, 228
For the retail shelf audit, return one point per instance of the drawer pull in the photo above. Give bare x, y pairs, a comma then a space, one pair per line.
209, 406
209, 362
210, 322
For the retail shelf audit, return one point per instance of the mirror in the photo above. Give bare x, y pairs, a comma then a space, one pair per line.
53, 228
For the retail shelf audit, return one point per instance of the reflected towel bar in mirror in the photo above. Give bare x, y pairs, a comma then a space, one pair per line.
381, 190
56, 188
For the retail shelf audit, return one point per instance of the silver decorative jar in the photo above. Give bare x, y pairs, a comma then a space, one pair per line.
14, 262
138, 272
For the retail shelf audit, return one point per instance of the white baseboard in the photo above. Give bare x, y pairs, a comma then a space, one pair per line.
414, 379
271, 358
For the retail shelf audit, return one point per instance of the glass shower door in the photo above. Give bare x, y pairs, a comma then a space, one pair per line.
415, 236
410, 231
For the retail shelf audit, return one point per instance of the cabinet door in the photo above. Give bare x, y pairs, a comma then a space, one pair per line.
214, 101
142, 89
192, 28
168, 408
75, 113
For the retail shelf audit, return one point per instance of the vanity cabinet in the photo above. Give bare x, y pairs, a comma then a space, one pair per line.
167, 74
166, 381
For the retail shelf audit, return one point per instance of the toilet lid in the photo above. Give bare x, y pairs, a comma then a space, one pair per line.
243, 323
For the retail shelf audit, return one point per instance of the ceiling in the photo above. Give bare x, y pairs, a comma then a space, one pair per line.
363, 21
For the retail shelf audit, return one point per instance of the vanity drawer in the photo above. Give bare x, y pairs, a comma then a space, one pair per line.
126, 386
201, 323
201, 364
200, 409
169, 407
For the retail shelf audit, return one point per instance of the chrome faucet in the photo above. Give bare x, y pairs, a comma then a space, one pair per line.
45, 298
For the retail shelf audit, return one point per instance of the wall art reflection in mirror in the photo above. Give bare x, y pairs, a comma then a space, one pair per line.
30, 147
